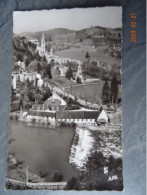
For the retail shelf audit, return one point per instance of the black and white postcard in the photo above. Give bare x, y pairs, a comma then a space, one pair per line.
65, 127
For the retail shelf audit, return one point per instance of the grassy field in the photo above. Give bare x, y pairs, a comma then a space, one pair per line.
90, 92
79, 54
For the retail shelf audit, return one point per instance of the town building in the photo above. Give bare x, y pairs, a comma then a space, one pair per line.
22, 76
21, 65
39, 83
14, 80
74, 116
54, 103
39, 80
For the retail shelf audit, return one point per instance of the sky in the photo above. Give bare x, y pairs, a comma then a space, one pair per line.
74, 19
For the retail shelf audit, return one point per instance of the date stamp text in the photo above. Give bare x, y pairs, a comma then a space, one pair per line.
133, 27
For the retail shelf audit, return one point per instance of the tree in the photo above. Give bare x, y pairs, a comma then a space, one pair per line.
57, 177
46, 94
52, 62
31, 96
28, 83
69, 101
48, 71
38, 58
13, 97
87, 55
44, 59
118, 54
92, 176
19, 56
119, 35
27, 62
93, 69
106, 92
30, 55
73, 184
114, 90
43, 86
38, 90
39, 68
115, 168
78, 80
69, 74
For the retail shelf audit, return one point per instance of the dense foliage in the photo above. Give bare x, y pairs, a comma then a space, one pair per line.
92, 176
69, 73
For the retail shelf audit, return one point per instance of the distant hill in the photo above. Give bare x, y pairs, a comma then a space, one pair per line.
48, 34
61, 33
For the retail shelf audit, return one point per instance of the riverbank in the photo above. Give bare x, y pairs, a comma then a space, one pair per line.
18, 170
20, 178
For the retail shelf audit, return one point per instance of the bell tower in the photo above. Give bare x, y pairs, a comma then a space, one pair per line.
42, 45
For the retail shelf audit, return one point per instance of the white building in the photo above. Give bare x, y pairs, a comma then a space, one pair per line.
14, 79
22, 77
39, 83
77, 116
102, 117
21, 65
79, 73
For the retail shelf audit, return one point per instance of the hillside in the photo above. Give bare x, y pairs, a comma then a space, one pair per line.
63, 34
24, 51
103, 46
48, 34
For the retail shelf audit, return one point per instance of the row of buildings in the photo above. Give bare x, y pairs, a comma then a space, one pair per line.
53, 110
21, 75
75, 116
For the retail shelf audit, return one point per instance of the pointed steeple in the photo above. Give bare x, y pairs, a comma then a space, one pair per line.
43, 44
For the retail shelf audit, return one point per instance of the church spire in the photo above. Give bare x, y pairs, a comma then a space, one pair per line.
43, 44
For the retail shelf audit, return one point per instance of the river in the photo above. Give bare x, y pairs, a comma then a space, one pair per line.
42, 149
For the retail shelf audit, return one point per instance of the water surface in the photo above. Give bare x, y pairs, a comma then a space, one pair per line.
42, 149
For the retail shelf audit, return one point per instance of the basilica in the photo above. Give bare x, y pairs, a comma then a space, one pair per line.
41, 49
